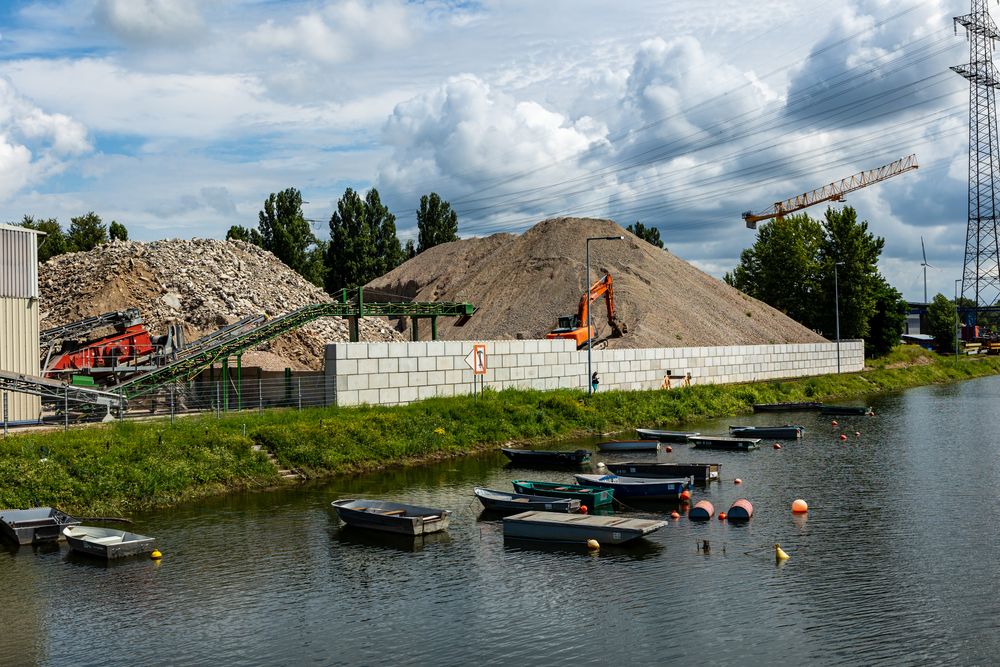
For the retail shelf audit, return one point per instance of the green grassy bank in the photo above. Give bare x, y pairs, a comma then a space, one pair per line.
120, 468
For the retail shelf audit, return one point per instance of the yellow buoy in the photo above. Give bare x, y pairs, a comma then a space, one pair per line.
779, 553
593, 544
156, 555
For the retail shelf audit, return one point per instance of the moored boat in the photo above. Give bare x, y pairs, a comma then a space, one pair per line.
546, 458
587, 495
725, 442
629, 446
664, 436
38, 524
785, 432
649, 488
846, 410
699, 472
107, 543
391, 517
576, 528
502, 501
787, 407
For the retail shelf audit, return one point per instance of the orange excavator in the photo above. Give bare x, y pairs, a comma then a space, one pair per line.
574, 327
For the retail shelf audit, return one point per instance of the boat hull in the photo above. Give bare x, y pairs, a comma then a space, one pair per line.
390, 517
787, 407
501, 501
107, 543
664, 436
630, 446
542, 458
789, 432
576, 528
589, 496
699, 472
726, 443
31, 526
845, 410
637, 487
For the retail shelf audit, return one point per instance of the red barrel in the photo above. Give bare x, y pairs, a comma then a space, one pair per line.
701, 511
741, 510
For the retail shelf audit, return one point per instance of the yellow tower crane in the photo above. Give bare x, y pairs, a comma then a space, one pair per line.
832, 192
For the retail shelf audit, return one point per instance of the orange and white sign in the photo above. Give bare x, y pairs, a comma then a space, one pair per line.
476, 359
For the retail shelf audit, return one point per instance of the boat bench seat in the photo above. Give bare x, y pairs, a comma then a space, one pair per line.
111, 539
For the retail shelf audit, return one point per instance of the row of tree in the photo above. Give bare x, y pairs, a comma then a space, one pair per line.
363, 242
85, 232
798, 265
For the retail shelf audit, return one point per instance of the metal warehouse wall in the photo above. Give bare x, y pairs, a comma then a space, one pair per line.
19, 349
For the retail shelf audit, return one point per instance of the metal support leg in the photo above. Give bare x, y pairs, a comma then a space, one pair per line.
434, 327
239, 382
225, 385
415, 332
172, 388
66, 409
299, 388
260, 396
5, 414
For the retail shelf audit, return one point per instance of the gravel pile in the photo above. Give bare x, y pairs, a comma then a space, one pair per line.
521, 284
203, 284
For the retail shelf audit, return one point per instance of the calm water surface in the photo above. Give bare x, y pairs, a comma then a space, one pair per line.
895, 563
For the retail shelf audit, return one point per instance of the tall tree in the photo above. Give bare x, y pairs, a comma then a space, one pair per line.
117, 231
647, 234
436, 222
887, 322
241, 233
53, 243
363, 241
409, 250
942, 321
86, 232
285, 231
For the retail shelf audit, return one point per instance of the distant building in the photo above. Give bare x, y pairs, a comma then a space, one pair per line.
916, 318
19, 349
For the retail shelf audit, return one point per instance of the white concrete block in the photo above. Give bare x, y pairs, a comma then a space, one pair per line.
426, 391
388, 396
456, 377
398, 350
388, 365
416, 379
356, 350
378, 381
457, 348
369, 396
357, 382
436, 348
367, 366
435, 377
408, 394
378, 350
448, 363
347, 397
407, 364
427, 364
398, 379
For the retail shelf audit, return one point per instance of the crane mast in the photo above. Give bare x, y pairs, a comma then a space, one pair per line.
833, 192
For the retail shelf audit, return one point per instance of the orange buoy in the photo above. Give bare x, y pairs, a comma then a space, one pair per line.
740, 510
737, 481
701, 511
675, 515
843, 436
583, 509
834, 423
776, 446
799, 506
669, 448
685, 495
722, 516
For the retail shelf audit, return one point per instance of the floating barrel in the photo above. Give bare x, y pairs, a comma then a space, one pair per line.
741, 510
702, 510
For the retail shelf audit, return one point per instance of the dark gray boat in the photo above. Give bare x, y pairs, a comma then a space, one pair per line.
785, 432
391, 517
577, 528
107, 543
503, 501
664, 436
39, 524
787, 407
543, 458
845, 410
701, 473
725, 442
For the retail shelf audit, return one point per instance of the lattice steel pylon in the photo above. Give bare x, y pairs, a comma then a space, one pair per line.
981, 272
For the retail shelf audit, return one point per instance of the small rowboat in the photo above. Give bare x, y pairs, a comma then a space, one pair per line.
107, 543
699, 472
587, 495
546, 458
629, 446
576, 528
845, 410
649, 488
664, 436
786, 407
501, 501
39, 524
725, 442
786, 432
391, 517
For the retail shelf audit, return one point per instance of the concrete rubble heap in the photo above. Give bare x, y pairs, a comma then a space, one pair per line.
202, 284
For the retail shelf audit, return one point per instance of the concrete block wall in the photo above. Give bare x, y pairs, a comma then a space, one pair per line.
399, 373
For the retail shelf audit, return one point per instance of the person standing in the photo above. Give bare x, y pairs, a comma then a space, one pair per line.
594, 381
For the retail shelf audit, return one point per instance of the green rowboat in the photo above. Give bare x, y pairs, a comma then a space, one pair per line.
589, 496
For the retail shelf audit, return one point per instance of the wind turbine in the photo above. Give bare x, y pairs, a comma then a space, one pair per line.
925, 265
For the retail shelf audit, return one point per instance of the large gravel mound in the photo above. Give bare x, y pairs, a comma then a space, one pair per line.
201, 284
521, 284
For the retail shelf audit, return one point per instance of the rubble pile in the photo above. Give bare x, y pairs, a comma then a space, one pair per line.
201, 284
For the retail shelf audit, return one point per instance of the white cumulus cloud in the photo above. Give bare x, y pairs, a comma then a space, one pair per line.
158, 21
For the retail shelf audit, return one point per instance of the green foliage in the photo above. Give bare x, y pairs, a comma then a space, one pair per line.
848, 241
436, 222
86, 232
53, 243
241, 233
117, 231
363, 242
888, 321
286, 233
942, 321
647, 234
409, 250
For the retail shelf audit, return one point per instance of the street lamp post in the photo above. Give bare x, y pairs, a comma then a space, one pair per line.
836, 309
958, 318
590, 374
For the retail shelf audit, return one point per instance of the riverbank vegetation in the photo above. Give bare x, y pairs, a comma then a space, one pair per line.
126, 467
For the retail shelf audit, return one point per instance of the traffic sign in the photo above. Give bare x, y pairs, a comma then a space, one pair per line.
476, 359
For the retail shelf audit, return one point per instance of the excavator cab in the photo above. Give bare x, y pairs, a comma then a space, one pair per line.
574, 327
567, 323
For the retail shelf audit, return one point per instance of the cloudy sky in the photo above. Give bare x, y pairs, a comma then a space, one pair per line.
179, 117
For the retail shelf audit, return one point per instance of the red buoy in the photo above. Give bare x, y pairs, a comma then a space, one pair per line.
740, 510
675, 515
776, 446
669, 448
701, 511
833, 423
685, 495
722, 516
737, 481
843, 436
583, 509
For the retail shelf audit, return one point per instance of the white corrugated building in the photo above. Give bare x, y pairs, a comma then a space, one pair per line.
19, 315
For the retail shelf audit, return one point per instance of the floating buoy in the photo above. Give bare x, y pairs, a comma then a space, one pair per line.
685, 495
701, 511
156, 555
843, 436
722, 516
799, 506
675, 515
834, 423
857, 433
669, 448
583, 509
779, 553
600, 464
740, 510
737, 481
870, 413
776, 446
593, 544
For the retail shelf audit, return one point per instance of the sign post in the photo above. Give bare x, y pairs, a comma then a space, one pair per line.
476, 360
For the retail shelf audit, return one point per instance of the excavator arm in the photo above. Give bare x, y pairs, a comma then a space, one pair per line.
576, 328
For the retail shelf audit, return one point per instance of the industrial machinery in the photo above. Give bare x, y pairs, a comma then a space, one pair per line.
832, 192
574, 327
